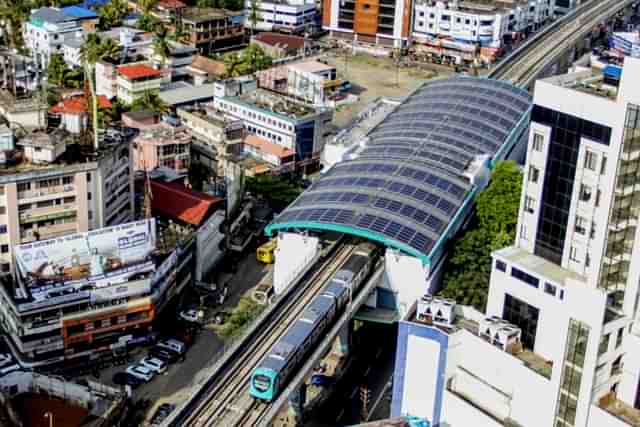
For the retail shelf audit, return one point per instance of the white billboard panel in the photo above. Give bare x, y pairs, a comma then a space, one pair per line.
86, 256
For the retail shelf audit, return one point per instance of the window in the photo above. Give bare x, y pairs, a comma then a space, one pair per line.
524, 315
88, 176
573, 254
421, 14
592, 233
501, 266
603, 165
604, 344
89, 195
561, 294
581, 225
4, 249
533, 174
585, 193
550, 289
66, 180
3, 228
90, 215
590, 160
597, 203
523, 232
587, 260
529, 204
525, 277
24, 186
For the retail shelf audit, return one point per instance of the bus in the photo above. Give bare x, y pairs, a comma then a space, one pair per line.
265, 253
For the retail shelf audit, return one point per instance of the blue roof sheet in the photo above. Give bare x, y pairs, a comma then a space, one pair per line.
79, 12
406, 186
614, 71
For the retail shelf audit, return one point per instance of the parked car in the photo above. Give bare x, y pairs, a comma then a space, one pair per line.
123, 378
173, 345
192, 315
164, 354
140, 372
162, 413
156, 365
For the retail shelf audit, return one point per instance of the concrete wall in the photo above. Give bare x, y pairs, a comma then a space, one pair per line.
294, 255
405, 275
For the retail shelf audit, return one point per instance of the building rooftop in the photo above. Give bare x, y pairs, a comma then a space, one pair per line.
589, 81
312, 66
79, 12
274, 103
138, 71
537, 265
282, 40
43, 140
207, 65
411, 177
268, 147
171, 4
176, 201
204, 14
51, 15
78, 105
188, 95
163, 133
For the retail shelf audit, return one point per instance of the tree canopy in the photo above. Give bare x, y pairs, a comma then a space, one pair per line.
113, 13
150, 101
252, 60
59, 73
467, 270
277, 191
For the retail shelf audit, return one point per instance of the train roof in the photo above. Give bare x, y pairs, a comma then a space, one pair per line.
355, 263
317, 310
335, 288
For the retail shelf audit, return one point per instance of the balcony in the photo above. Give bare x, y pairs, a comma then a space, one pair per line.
58, 212
620, 409
42, 192
49, 232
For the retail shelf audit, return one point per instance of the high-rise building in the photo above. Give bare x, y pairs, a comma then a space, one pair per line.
384, 22
559, 343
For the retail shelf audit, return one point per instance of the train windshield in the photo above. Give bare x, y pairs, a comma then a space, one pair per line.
261, 382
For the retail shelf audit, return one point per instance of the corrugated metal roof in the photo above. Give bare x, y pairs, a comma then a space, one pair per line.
79, 12
49, 14
186, 95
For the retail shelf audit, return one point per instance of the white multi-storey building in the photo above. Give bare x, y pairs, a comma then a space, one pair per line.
46, 31
568, 288
470, 25
291, 16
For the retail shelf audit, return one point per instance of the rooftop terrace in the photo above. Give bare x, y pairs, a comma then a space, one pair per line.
588, 81
277, 104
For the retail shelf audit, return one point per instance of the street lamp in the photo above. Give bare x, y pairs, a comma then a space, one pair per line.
49, 415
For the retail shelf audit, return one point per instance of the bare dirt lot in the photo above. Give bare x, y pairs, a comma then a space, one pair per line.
372, 77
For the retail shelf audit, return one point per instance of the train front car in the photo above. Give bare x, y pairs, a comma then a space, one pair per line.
264, 383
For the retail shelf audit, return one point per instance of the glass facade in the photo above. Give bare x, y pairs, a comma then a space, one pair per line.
577, 340
564, 144
624, 211
524, 316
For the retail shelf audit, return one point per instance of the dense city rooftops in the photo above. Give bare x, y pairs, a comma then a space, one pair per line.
78, 105
268, 147
408, 181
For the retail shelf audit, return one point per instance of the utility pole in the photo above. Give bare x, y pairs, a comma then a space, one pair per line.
365, 399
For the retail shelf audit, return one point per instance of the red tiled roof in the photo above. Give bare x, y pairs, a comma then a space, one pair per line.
209, 66
138, 71
284, 40
171, 4
268, 146
78, 105
177, 201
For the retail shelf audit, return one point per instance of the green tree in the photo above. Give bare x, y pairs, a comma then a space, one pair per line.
161, 47
233, 65
113, 13
468, 268
277, 191
147, 22
254, 14
12, 16
150, 101
59, 73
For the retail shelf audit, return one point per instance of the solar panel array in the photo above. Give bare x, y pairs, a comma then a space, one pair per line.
408, 182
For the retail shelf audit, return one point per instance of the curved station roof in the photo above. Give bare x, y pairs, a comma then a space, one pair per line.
407, 184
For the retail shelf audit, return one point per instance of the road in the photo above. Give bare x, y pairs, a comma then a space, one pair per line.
372, 368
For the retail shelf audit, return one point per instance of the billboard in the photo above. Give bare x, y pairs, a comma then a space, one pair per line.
92, 256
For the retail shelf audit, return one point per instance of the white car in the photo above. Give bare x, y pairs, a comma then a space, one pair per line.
192, 315
156, 365
141, 372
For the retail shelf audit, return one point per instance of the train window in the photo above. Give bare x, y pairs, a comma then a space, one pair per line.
261, 382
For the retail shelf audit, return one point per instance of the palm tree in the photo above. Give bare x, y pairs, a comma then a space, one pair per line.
12, 16
112, 14
254, 14
161, 47
233, 65
150, 101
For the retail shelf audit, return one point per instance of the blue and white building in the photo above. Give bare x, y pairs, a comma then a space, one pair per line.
290, 16
559, 343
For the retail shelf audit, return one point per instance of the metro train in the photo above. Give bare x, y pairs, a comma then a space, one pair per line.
270, 377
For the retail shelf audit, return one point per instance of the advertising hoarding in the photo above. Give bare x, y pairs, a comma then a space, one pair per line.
96, 254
